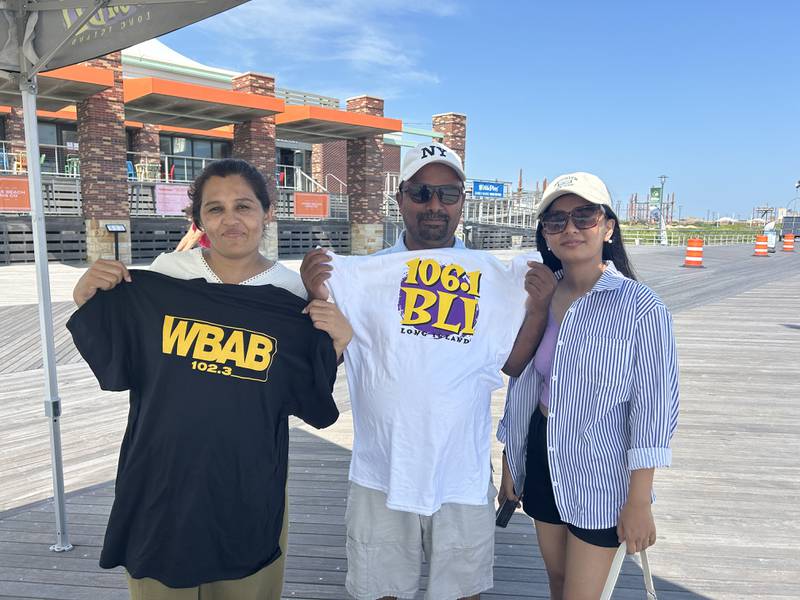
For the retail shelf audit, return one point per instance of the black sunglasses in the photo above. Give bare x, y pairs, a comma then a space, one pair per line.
584, 217
421, 193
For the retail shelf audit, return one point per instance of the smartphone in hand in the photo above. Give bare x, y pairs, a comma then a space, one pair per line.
504, 512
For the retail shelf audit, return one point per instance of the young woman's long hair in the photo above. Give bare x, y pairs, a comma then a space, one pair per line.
615, 251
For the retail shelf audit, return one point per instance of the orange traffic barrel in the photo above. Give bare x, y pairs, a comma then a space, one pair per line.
694, 253
761, 246
788, 242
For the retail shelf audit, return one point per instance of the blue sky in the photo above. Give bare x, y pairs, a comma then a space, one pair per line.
704, 91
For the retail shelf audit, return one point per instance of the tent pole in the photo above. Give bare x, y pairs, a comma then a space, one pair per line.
52, 403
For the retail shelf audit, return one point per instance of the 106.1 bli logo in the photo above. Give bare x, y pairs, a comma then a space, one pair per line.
439, 301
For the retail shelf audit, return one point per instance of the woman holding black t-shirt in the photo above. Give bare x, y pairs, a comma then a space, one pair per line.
231, 205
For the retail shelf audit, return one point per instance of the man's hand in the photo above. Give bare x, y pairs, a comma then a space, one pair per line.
102, 275
314, 271
540, 283
327, 317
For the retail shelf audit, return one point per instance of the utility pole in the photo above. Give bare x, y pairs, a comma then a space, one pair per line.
663, 222
680, 208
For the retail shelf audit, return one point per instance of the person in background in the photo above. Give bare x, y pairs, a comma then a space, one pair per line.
194, 236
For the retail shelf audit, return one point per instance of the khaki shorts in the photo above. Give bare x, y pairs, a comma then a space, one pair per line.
385, 548
266, 584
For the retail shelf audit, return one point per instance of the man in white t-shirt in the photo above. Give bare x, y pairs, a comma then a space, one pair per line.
385, 544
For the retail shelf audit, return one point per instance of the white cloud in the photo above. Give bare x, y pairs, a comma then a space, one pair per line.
363, 42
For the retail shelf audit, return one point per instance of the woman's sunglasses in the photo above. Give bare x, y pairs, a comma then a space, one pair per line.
584, 217
421, 193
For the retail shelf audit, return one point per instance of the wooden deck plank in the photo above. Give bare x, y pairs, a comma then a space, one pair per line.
727, 512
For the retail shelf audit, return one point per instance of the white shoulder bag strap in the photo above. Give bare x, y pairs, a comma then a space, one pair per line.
616, 567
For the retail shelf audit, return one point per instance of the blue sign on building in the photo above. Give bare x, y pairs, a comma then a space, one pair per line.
488, 189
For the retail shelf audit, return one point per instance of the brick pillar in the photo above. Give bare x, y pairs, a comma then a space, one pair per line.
254, 141
318, 163
104, 181
365, 182
330, 158
146, 141
454, 128
15, 132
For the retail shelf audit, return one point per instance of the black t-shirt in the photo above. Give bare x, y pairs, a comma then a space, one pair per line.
213, 371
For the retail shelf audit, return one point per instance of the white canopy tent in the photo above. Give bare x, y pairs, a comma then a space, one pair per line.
41, 35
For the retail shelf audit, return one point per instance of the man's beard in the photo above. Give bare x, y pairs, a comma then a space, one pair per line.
429, 232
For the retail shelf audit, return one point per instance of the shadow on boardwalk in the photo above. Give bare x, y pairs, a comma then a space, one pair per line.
316, 566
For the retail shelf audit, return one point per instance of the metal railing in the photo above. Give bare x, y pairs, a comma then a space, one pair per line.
169, 168
340, 185
294, 178
391, 211
513, 211
710, 237
391, 180
54, 160
338, 207
297, 97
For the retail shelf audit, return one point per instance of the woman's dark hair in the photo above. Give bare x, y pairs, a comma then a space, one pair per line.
225, 168
615, 251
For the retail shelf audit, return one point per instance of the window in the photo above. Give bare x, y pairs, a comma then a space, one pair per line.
221, 149
48, 134
181, 146
201, 148
165, 144
187, 156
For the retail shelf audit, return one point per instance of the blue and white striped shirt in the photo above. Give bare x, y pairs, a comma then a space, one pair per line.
613, 400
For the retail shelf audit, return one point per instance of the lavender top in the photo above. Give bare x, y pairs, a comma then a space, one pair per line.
543, 361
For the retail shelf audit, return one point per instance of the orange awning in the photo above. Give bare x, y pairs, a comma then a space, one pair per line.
60, 88
192, 106
314, 124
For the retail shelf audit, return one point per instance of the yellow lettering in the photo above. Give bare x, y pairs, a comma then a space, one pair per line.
470, 312
258, 353
99, 19
177, 334
233, 350
67, 18
417, 315
208, 345
445, 306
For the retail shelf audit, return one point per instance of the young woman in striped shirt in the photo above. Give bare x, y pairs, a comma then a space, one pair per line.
592, 415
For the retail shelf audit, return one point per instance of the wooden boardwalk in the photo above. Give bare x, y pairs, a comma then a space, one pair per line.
727, 512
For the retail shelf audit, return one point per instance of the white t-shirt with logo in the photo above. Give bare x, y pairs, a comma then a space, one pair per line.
432, 330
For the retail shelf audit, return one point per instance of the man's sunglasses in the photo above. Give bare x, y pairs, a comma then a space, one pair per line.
584, 217
421, 193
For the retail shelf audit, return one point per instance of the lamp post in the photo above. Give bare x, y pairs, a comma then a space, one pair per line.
663, 222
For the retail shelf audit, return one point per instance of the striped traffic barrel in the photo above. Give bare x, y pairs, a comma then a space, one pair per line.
761, 246
788, 242
694, 253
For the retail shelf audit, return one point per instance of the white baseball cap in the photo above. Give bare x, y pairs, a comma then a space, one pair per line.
426, 154
587, 186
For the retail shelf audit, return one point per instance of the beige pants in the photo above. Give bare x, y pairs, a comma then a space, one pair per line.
266, 584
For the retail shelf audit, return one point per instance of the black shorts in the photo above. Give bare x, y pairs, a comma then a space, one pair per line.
538, 500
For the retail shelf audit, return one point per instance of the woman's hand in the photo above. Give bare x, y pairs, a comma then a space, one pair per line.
102, 275
327, 317
540, 283
189, 240
636, 526
506, 485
